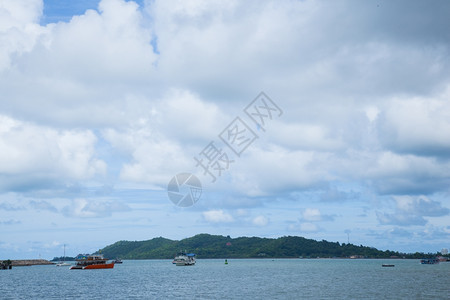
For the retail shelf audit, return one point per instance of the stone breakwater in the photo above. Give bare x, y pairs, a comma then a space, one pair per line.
30, 262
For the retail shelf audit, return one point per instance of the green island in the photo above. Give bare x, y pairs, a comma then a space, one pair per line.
217, 246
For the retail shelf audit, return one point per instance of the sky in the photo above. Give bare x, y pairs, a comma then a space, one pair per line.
323, 119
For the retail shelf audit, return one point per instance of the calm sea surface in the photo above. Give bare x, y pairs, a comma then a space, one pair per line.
240, 279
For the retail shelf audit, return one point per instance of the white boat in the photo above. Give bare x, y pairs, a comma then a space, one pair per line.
63, 263
184, 259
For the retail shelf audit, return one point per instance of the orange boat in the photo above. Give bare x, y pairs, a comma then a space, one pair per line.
92, 262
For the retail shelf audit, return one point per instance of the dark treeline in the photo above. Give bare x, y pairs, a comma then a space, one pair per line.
216, 246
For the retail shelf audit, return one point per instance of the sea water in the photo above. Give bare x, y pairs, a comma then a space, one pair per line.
239, 279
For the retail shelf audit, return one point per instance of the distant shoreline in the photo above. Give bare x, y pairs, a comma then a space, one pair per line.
217, 246
37, 262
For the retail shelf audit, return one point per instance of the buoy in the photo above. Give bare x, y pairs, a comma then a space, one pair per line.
226, 262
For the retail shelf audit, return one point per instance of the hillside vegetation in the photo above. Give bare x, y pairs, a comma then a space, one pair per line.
216, 246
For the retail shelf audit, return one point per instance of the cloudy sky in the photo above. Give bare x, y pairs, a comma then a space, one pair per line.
103, 102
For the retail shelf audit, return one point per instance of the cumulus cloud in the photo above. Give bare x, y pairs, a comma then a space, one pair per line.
432, 237
129, 94
314, 214
109, 67
18, 28
333, 194
165, 141
411, 210
75, 70
33, 156
393, 173
400, 219
435, 233
52, 244
417, 126
217, 216
43, 205
260, 221
422, 205
83, 208
311, 214
308, 227
262, 172
304, 227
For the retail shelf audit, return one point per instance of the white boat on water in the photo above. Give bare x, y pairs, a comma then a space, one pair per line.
63, 262
184, 259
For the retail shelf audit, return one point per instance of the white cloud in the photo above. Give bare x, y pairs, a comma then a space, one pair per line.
311, 214
260, 221
400, 219
52, 244
421, 205
188, 118
155, 159
217, 216
372, 113
32, 154
305, 136
303, 227
84, 208
418, 125
77, 73
394, 173
19, 13
411, 210
18, 28
264, 171
96, 40
308, 227
242, 212
128, 95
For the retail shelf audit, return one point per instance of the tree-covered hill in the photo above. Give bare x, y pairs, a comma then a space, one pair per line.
216, 246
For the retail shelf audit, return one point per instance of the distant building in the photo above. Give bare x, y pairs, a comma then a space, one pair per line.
444, 251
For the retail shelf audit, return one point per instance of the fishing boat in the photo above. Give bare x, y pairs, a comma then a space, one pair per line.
388, 265
117, 261
429, 261
92, 262
184, 259
63, 262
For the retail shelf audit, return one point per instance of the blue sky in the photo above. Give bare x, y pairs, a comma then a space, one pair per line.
103, 102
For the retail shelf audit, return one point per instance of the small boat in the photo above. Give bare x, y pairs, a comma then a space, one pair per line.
387, 265
92, 262
178, 257
184, 259
63, 262
429, 261
117, 261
